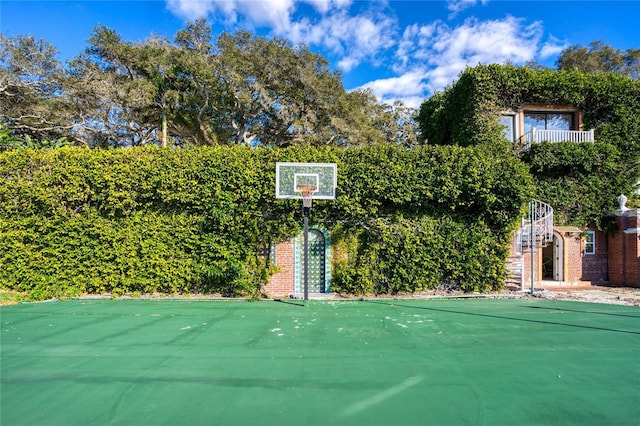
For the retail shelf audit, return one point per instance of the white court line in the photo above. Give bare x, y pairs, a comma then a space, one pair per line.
382, 396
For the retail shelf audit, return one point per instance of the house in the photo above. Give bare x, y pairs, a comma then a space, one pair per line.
624, 247
567, 253
529, 107
570, 254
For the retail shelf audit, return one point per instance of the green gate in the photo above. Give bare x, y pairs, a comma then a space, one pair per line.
319, 258
316, 262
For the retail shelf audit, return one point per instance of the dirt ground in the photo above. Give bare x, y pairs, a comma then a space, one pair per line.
591, 293
583, 292
547, 290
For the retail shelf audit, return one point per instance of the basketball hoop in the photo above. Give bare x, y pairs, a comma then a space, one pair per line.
306, 181
306, 190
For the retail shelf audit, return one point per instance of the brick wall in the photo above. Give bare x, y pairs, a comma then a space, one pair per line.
527, 267
624, 250
595, 266
577, 266
282, 282
573, 256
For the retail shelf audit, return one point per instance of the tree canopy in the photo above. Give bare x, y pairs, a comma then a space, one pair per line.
31, 80
193, 90
599, 57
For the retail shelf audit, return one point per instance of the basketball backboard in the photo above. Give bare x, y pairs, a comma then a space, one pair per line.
293, 178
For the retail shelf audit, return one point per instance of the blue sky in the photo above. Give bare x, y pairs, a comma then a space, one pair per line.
400, 49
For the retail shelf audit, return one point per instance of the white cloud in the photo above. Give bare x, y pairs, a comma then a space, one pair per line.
192, 9
348, 63
272, 13
552, 47
457, 6
408, 88
352, 38
323, 6
447, 51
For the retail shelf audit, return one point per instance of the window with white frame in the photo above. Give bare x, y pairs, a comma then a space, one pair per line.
590, 242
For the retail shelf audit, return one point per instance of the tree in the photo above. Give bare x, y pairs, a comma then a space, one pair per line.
396, 122
600, 58
140, 77
33, 99
202, 91
282, 96
245, 90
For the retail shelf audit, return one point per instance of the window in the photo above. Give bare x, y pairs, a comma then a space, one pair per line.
590, 242
508, 122
548, 121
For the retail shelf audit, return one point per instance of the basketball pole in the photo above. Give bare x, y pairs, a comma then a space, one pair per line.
532, 219
305, 214
307, 200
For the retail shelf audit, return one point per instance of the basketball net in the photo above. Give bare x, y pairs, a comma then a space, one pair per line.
307, 192
307, 199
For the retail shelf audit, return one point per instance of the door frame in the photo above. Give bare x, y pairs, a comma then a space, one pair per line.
558, 256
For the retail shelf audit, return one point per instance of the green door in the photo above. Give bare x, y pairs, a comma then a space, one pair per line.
316, 262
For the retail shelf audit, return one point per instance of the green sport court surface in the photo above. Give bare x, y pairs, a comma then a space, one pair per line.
376, 362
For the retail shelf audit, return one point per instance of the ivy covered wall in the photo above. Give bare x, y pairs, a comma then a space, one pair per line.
146, 220
580, 181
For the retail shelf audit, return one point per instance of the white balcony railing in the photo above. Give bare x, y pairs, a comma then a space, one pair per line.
537, 136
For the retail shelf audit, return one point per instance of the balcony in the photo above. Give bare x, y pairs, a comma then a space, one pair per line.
537, 136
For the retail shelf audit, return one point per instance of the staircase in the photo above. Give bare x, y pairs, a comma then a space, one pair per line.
515, 269
536, 231
537, 228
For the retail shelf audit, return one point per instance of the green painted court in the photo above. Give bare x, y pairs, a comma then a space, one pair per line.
375, 362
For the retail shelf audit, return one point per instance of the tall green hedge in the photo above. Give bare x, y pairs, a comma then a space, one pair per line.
197, 220
405, 255
581, 181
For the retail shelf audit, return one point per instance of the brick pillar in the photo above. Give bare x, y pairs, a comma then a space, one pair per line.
624, 249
